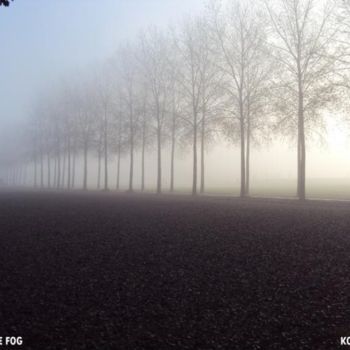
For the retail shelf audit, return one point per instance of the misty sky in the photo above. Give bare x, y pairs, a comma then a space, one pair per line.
44, 41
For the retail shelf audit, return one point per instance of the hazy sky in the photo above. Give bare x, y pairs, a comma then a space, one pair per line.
42, 40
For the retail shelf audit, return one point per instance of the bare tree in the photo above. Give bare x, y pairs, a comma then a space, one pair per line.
302, 41
239, 34
144, 126
175, 121
105, 99
127, 78
191, 78
155, 69
85, 106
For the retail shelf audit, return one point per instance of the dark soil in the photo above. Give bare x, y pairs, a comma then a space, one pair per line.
108, 271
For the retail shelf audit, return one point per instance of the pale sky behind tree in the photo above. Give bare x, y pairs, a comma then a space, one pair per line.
43, 40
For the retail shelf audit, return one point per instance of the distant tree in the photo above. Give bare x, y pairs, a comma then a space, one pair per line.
155, 70
192, 83
104, 90
143, 111
118, 139
85, 105
126, 68
175, 122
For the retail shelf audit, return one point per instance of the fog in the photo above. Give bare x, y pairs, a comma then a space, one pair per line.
49, 43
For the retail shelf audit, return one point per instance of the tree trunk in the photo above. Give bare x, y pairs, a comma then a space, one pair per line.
35, 172
143, 170
172, 161
159, 148
298, 163
58, 168
14, 176
99, 169
118, 167
301, 142
202, 186
85, 166
247, 184
48, 171
58, 164
194, 183
143, 157
131, 173
25, 174
69, 164
243, 173
19, 175
64, 166
106, 150
55, 171
73, 166
302, 193
242, 136
118, 156
41, 168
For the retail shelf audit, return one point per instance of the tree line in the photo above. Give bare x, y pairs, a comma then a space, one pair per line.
246, 71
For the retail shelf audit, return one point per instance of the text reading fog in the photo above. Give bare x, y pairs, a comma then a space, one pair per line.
11, 341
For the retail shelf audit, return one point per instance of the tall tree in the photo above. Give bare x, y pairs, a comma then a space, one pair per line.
302, 40
127, 78
192, 78
238, 36
154, 46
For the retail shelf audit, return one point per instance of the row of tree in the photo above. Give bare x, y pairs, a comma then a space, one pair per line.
244, 70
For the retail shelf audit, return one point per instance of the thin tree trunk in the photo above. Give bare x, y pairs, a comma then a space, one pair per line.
243, 173
301, 139
58, 168
194, 183
99, 169
19, 175
143, 156
85, 166
131, 173
14, 175
48, 171
159, 172
247, 184
302, 195
41, 168
172, 161
118, 167
69, 164
298, 163
55, 171
58, 185
64, 166
106, 150
35, 172
73, 165
118, 156
242, 136
24, 174
202, 186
